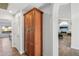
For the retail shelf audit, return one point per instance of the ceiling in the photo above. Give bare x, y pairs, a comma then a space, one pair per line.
64, 10
6, 16
15, 7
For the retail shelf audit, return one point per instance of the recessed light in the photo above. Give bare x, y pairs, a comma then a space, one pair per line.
3, 27
10, 11
9, 27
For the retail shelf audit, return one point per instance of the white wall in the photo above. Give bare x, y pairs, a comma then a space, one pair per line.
65, 14
75, 25
47, 30
18, 32
65, 11
55, 29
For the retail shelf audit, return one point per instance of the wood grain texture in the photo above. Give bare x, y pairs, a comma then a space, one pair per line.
33, 32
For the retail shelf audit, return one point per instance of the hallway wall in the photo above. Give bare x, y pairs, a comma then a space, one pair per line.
18, 32
65, 14
55, 29
47, 30
75, 25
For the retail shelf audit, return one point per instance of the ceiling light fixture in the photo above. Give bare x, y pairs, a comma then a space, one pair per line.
10, 11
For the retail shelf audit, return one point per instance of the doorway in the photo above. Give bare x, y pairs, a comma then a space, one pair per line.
33, 32
5, 37
64, 37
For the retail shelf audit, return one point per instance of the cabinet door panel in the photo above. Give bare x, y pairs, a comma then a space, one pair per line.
29, 34
33, 32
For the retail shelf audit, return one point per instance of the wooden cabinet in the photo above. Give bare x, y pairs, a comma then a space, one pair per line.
33, 32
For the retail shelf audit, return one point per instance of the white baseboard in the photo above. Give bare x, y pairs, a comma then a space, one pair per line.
21, 52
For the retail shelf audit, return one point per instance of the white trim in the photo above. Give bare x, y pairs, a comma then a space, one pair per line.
21, 52
55, 29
